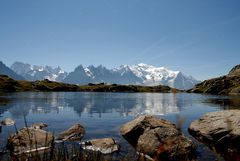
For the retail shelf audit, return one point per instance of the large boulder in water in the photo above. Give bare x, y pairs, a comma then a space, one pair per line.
220, 129
28, 140
157, 138
74, 133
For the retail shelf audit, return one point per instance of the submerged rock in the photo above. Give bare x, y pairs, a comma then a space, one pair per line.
29, 140
221, 129
8, 122
157, 138
74, 133
104, 145
39, 125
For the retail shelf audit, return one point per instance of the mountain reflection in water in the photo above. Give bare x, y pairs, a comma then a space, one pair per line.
125, 104
102, 114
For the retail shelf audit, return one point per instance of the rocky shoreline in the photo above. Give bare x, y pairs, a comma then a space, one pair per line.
152, 138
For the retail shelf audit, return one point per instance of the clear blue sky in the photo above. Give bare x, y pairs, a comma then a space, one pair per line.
199, 37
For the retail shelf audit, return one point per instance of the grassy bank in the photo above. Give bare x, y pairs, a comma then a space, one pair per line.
9, 85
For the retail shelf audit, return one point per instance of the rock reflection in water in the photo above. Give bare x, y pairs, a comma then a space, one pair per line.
3, 104
226, 103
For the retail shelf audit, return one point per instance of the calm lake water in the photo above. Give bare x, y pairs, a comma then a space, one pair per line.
102, 114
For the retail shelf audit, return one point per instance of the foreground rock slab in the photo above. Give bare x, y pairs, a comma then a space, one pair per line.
29, 140
157, 138
104, 145
221, 129
74, 133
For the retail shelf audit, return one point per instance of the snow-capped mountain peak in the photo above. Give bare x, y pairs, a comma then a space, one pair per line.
38, 72
147, 71
88, 72
151, 75
138, 74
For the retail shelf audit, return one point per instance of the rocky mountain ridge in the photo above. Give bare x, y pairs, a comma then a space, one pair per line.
4, 70
139, 74
228, 84
38, 72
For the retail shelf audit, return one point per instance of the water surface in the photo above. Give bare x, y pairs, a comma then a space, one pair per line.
102, 114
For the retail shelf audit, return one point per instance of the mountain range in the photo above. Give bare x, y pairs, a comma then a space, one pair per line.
4, 70
37, 72
139, 74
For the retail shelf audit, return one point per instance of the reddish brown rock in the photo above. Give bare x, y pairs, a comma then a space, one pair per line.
157, 138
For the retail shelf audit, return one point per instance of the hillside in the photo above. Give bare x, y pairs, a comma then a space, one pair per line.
228, 84
8, 84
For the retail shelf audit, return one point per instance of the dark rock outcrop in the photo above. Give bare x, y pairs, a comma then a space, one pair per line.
28, 140
220, 130
74, 133
104, 145
157, 138
7, 84
229, 84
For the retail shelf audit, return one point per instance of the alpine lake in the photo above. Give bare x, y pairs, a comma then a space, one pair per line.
102, 114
